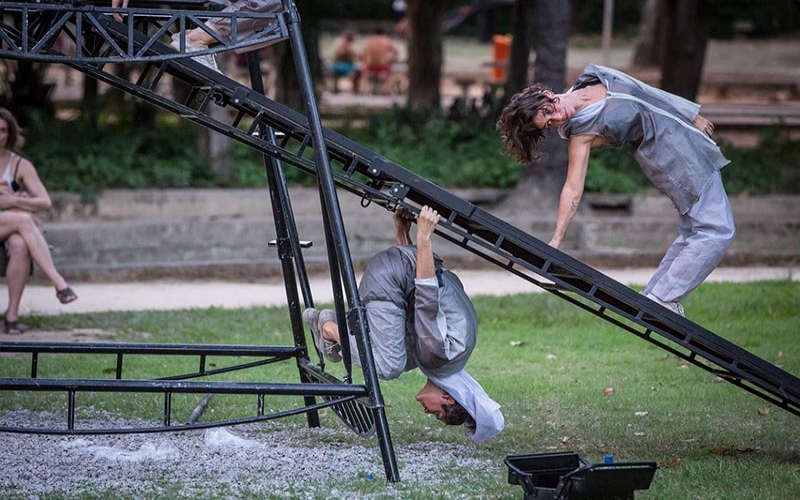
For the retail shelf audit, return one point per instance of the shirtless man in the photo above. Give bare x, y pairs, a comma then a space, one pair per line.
378, 53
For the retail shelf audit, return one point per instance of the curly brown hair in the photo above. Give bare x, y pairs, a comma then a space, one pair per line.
521, 137
455, 414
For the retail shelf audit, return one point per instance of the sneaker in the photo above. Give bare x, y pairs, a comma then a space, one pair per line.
331, 350
206, 60
675, 307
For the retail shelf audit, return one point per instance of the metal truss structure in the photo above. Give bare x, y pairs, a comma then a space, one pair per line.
285, 136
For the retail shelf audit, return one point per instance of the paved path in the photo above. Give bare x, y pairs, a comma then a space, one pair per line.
157, 295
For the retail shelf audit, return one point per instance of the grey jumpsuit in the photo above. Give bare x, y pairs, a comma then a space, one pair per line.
428, 324
681, 161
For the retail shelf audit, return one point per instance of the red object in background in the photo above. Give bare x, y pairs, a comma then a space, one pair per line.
501, 47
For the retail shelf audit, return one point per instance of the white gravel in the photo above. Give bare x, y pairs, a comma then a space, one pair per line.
271, 459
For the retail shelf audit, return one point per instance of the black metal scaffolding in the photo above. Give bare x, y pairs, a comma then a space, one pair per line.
285, 136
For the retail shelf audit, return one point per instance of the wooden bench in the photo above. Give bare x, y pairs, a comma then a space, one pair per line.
723, 83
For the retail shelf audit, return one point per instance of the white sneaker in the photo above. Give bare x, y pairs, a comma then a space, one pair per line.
675, 307
206, 60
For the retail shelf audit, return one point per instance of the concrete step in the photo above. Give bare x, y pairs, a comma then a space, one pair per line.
184, 233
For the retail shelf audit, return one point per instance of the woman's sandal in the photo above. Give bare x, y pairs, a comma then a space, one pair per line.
66, 295
12, 327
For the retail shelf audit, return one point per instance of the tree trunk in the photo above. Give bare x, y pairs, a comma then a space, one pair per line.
30, 96
90, 102
540, 183
551, 34
214, 145
424, 54
287, 87
485, 20
521, 40
682, 69
651, 41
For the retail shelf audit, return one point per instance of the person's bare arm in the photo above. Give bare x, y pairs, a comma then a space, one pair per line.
35, 199
123, 4
704, 125
426, 223
402, 226
579, 148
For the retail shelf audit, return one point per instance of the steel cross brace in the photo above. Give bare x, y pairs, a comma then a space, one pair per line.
41, 26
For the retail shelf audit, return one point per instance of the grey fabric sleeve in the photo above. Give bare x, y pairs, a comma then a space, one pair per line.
387, 326
433, 340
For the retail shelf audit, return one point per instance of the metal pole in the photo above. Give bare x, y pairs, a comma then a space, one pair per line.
328, 190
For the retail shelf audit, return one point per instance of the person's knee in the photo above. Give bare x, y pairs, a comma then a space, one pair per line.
719, 239
17, 246
387, 372
23, 221
724, 236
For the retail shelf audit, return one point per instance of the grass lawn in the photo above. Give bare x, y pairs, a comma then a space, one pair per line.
551, 366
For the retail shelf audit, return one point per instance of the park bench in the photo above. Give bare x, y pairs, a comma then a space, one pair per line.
722, 84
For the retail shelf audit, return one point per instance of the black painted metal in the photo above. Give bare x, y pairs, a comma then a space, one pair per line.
288, 242
34, 37
338, 240
41, 24
378, 180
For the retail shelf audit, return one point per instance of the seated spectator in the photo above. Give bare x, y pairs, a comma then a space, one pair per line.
345, 62
21, 194
377, 56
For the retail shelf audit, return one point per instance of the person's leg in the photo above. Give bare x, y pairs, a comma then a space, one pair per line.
244, 28
326, 345
330, 328
677, 246
711, 232
19, 264
22, 223
200, 39
387, 337
356, 80
386, 81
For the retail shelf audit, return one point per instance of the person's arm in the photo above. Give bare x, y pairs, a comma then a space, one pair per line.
402, 226
426, 223
35, 199
704, 125
435, 347
579, 148
123, 4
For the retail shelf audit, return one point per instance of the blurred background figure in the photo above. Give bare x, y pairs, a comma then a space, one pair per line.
345, 62
378, 53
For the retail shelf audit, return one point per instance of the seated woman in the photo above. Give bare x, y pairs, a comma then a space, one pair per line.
21, 194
